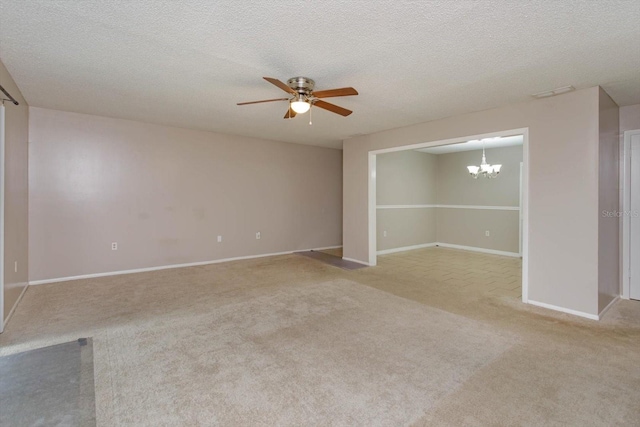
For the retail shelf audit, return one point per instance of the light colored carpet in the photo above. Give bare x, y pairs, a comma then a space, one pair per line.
548, 369
334, 353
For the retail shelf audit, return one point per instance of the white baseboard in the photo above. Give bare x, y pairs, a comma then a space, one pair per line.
604, 310
357, 261
564, 310
448, 245
475, 249
166, 267
13, 309
406, 248
319, 249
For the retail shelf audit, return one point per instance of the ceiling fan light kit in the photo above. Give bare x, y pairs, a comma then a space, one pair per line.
303, 97
300, 106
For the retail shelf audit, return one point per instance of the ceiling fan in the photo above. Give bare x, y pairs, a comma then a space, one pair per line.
302, 97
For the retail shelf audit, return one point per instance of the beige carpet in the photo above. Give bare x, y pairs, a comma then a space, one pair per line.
334, 353
158, 341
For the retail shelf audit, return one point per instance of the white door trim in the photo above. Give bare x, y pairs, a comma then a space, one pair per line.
625, 178
520, 216
373, 214
525, 193
2, 179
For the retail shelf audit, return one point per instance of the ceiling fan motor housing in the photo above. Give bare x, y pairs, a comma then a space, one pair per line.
303, 85
302, 97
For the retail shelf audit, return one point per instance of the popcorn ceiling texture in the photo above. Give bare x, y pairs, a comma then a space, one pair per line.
188, 63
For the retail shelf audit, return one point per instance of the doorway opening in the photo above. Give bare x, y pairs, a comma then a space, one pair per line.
2, 173
517, 246
630, 186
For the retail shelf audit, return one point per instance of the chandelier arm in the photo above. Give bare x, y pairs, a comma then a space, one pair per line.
485, 169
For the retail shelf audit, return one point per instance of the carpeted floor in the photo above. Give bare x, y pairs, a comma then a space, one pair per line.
332, 353
291, 341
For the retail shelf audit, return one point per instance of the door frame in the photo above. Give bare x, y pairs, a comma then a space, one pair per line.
521, 213
625, 186
524, 209
2, 181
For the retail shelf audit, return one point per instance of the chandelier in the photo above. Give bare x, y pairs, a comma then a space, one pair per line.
485, 170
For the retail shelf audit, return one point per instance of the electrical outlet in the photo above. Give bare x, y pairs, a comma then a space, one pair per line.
486, 233
258, 236
384, 233
15, 267
114, 246
219, 239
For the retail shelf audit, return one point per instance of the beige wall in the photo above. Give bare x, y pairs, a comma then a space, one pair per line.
467, 227
164, 194
15, 172
563, 189
406, 178
629, 117
609, 226
406, 227
418, 178
457, 187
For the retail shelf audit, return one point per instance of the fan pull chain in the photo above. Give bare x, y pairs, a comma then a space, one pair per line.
310, 110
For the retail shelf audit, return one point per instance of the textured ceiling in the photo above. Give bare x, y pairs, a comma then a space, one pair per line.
505, 141
186, 63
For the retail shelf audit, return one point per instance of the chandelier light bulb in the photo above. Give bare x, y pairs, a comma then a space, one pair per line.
485, 170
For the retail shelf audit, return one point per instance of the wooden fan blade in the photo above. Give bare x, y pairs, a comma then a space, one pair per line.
290, 114
266, 100
344, 91
280, 84
332, 107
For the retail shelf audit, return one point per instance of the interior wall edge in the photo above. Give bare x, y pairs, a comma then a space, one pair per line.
14, 168
25, 286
